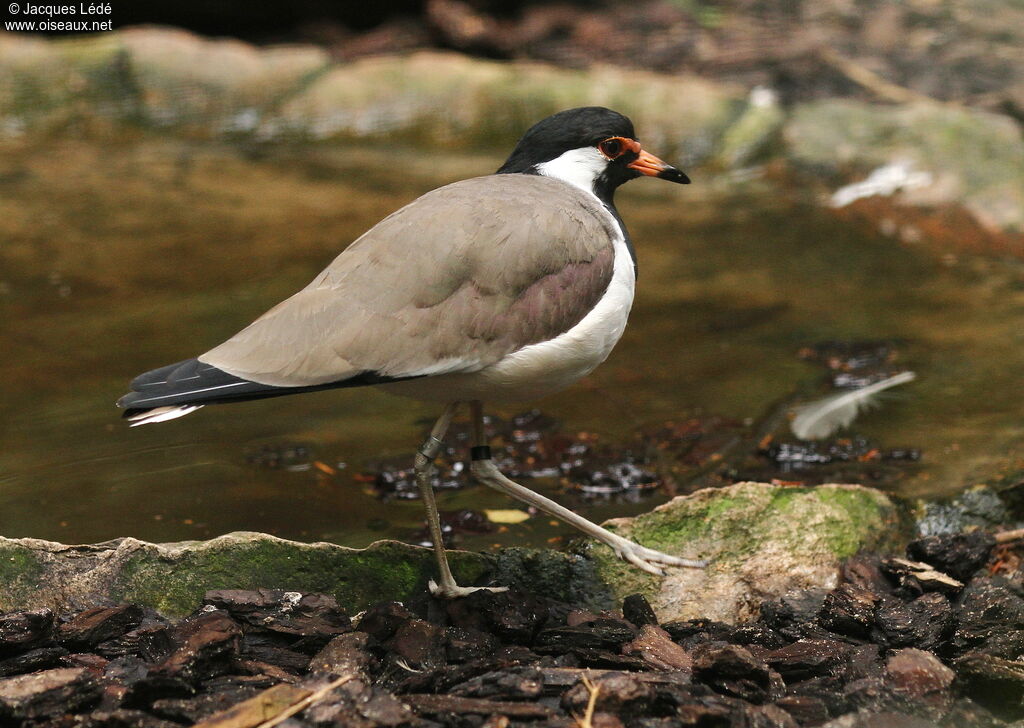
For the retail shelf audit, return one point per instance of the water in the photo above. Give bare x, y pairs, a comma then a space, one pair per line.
117, 258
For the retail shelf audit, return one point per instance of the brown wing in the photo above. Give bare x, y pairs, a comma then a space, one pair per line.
452, 282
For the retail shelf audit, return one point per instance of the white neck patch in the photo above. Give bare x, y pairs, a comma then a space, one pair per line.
580, 167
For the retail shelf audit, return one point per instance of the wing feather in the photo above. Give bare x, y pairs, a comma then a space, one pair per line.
452, 282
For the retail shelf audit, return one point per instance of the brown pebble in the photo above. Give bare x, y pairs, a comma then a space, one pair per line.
656, 648
920, 675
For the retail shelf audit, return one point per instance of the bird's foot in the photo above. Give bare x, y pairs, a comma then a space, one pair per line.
650, 560
454, 591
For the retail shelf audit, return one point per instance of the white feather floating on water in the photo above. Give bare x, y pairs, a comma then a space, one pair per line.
823, 417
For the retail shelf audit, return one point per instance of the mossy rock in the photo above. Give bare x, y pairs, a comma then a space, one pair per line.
975, 157
172, 578
761, 540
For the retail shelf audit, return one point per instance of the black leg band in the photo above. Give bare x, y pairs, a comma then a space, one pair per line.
480, 452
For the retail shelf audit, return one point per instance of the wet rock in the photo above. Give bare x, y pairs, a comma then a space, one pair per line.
271, 649
89, 628
806, 659
207, 644
805, 710
147, 689
995, 683
37, 659
419, 643
966, 712
924, 622
921, 676
173, 578
515, 683
758, 634
917, 577
195, 709
655, 647
443, 706
345, 654
382, 620
791, 613
985, 612
849, 610
601, 633
956, 554
692, 632
733, 671
465, 643
762, 541
979, 507
286, 612
637, 610
21, 631
153, 640
511, 616
616, 691
612, 475
357, 703
48, 693
866, 572
927, 136
803, 456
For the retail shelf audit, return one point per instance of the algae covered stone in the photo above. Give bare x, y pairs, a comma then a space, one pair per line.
762, 541
172, 578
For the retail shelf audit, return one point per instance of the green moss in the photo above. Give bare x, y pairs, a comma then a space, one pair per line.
20, 572
357, 578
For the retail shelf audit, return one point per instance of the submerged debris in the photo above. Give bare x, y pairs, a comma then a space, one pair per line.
928, 640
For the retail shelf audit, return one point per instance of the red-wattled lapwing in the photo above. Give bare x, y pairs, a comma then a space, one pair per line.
499, 288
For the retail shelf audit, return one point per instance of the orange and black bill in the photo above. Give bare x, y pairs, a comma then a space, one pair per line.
646, 163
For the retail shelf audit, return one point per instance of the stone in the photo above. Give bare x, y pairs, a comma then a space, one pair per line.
733, 671
918, 577
638, 610
970, 156
173, 578
806, 659
849, 610
655, 647
956, 554
290, 613
514, 683
925, 622
465, 643
207, 645
345, 654
419, 643
761, 541
21, 631
46, 694
921, 676
99, 624
993, 682
986, 612
616, 691
37, 659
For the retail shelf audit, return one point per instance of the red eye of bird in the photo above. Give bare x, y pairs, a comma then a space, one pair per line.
611, 148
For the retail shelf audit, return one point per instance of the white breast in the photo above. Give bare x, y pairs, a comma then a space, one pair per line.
549, 366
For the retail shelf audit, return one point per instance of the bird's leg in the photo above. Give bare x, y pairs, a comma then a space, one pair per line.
487, 472
423, 466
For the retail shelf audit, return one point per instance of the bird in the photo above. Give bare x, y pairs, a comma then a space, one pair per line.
500, 288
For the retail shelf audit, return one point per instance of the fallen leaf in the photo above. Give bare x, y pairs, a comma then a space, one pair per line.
510, 515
